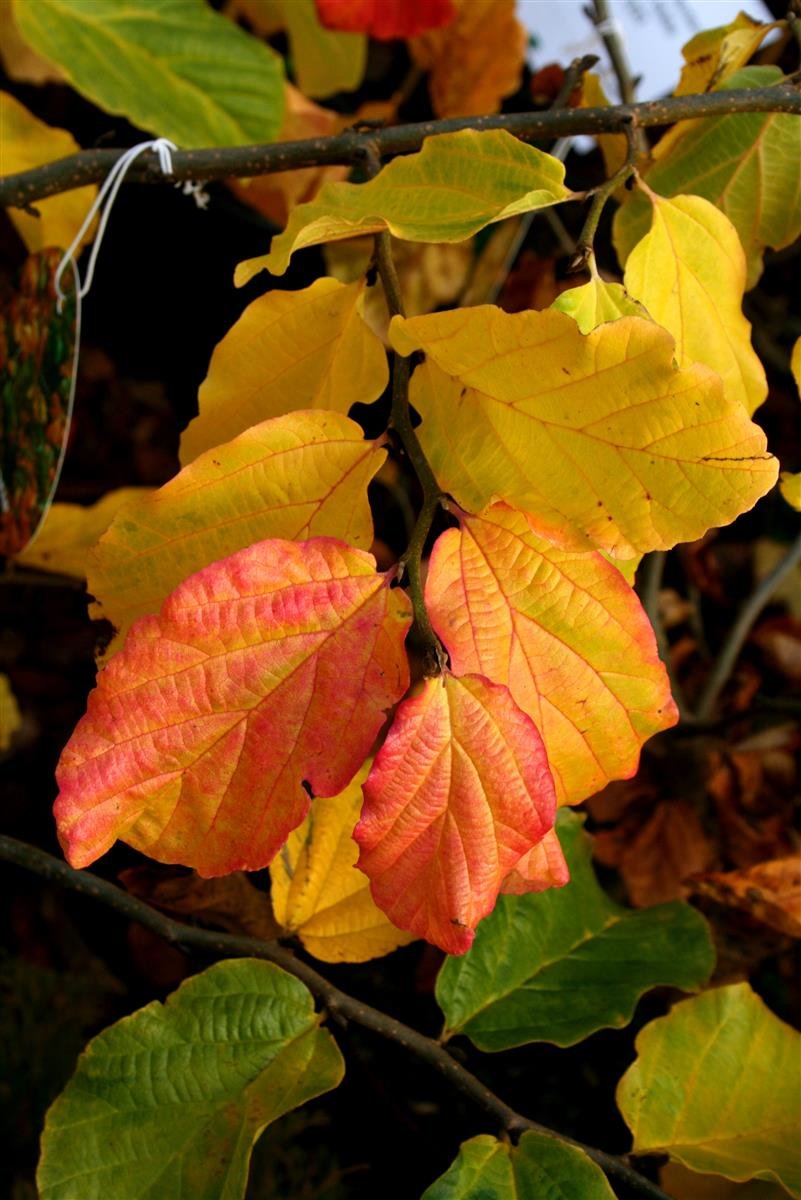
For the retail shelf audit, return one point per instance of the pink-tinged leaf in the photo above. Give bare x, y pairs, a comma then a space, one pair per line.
385, 19
264, 672
543, 867
566, 634
458, 794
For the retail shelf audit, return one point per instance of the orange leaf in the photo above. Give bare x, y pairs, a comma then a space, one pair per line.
564, 631
475, 61
265, 673
458, 794
543, 867
384, 19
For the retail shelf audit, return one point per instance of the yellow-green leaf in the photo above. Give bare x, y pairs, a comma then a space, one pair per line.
326, 61
599, 438
288, 351
302, 475
746, 164
174, 67
27, 142
317, 891
69, 531
10, 715
689, 272
790, 485
717, 1086
597, 302
714, 54
454, 186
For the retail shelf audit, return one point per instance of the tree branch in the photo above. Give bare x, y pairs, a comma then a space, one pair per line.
730, 650
337, 1002
92, 166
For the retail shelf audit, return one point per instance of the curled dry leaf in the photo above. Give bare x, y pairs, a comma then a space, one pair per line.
265, 677
475, 61
769, 891
458, 794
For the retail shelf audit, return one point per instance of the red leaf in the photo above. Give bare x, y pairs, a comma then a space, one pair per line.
265, 671
385, 19
458, 794
543, 867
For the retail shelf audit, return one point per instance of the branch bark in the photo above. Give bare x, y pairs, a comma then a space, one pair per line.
338, 1003
92, 166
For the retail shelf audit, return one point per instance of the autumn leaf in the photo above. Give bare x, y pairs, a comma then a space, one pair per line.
229, 902
458, 793
20, 62
597, 302
28, 142
457, 184
475, 61
689, 272
298, 476
69, 531
170, 1100
600, 438
565, 633
385, 19
264, 674
542, 868
769, 891
10, 715
538, 1166
716, 1085
714, 54
318, 893
729, 161
288, 351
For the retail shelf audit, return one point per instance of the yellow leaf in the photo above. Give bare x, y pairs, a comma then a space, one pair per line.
795, 364
303, 475
564, 632
790, 486
27, 142
288, 351
457, 184
10, 716
600, 438
475, 61
714, 54
317, 891
690, 274
70, 530
597, 302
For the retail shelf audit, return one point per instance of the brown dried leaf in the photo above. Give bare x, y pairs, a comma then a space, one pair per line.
475, 61
228, 902
769, 891
667, 849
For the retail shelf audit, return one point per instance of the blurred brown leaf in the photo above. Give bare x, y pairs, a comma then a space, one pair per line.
779, 639
229, 902
770, 892
474, 62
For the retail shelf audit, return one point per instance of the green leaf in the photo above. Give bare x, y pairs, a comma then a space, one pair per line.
746, 164
597, 302
169, 1101
174, 67
538, 1168
717, 1086
557, 966
457, 184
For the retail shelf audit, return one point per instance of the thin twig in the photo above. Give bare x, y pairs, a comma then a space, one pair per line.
730, 651
604, 22
600, 197
651, 576
92, 166
335, 1001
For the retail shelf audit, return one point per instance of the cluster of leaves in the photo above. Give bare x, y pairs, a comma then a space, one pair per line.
260, 654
